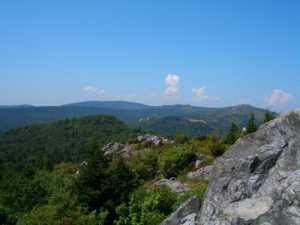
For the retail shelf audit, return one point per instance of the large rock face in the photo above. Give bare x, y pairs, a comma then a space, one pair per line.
258, 180
185, 214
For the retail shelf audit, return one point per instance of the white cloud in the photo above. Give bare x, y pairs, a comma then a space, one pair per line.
278, 98
200, 95
172, 81
95, 91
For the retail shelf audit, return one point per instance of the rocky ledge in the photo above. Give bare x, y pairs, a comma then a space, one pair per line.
174, 185
258, 180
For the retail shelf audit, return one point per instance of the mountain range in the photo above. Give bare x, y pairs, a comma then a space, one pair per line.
166, 119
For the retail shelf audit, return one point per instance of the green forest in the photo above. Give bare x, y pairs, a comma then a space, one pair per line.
166, 120
58, 174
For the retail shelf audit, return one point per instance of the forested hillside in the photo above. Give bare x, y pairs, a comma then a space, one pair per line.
58, 173
66, 140
170, 125
42, 181
189, 119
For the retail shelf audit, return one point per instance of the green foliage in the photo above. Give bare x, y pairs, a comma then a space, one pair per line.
218, 149
20, 193
47, 186
204, 145
59, 207
233, 134
42, 146
56, 215
145, 164
90, 185
175, 159
181, 138
269, 116
167, 120
171, 126
251, 126
198, 188
101, 185
121, 181
147, 208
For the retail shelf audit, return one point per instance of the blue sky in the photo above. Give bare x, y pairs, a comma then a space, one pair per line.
204, 52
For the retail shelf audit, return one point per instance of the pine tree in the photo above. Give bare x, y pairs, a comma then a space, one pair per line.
91, 186
233, 134
251, 127
269, 116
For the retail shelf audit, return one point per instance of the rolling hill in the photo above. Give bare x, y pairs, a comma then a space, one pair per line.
64, 140
109, 104
137, 115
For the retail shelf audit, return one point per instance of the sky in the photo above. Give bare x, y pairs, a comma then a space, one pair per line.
202, 52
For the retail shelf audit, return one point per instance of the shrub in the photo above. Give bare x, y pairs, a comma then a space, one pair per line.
147, 209
218, 149
181, 138
174, 160
145, 164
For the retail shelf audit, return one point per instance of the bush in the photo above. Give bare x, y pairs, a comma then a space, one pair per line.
145, 164
181, 138
218, 149
147, 209
174, 160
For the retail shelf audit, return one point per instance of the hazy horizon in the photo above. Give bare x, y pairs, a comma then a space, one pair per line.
240, 104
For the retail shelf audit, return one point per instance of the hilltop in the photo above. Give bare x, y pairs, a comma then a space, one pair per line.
166, 119
64, 140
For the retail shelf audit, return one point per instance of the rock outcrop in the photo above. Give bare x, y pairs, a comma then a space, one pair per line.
174, 185
127, 150
202, 173
258, 180
185, 214
155, 140
199, 160
115, 148
112, 147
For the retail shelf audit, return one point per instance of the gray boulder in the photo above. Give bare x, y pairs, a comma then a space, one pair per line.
189, 220
174, 185
185, 214
202, 173
199, 160
117, 149
258, 180
155, 140
112, 147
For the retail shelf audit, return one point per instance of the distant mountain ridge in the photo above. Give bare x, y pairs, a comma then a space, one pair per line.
16, 106
136, 115
109, 104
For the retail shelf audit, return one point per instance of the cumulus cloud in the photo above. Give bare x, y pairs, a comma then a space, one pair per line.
95, 91
172, 82
278, 98
200, 95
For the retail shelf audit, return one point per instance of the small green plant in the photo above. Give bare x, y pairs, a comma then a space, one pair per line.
218, 149
174, 160
147, 208
269, 116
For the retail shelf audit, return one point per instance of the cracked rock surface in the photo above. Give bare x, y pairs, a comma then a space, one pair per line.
258, 180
